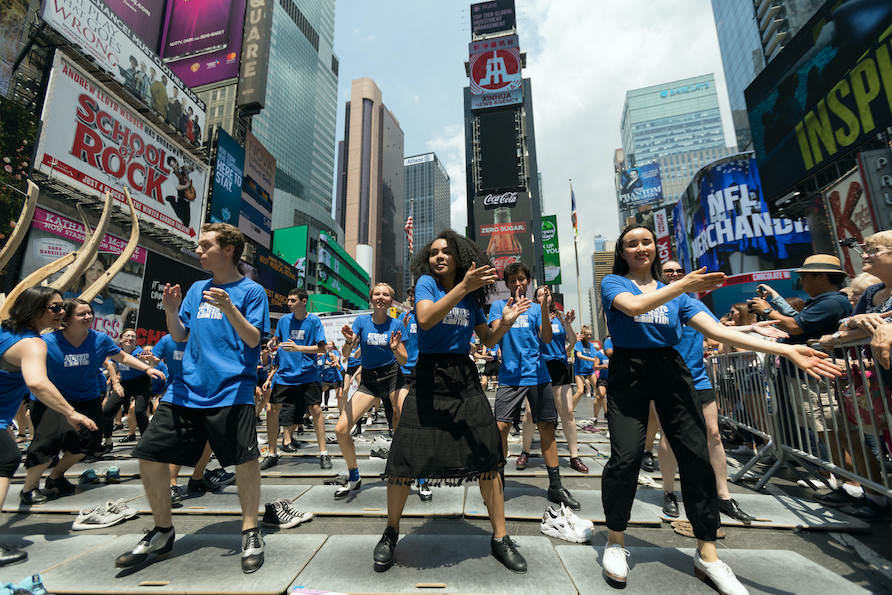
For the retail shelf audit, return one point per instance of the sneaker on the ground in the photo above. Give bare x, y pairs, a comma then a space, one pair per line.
88, 477
107, 448
384, 549
119, 506
344, 491
33, 585
252, 550
868, 510
98, 518
177, 494
290, 447
380, 453
384, 439
647, 463
733, 510
578, 521
61, 484
816, 484
368, 421
9, 554
577, 465
648, 482
720, 575
554, 524
261, 440
590, 429
219, 477
155, 542
32, 497
614, 563
331, 440
522, 461
506, 552
670, 505
512, 439
202, 485
838, 498
269, 461
276, 516
562, 496
425, 493
113, 474
117, 427
324, 461
288, 504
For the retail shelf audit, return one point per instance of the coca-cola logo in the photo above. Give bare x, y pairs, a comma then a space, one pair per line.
509, 198
501, 262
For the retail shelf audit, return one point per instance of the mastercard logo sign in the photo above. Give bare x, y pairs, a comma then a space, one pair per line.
230, 56
195, 67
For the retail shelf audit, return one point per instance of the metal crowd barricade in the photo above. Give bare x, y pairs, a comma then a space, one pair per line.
840, 425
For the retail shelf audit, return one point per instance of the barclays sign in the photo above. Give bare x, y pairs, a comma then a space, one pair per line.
688, 89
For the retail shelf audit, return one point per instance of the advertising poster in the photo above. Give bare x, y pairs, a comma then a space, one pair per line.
664, 243
53, 236
17, 134
258, 186
277, 277
159, 271
876, 169
92, 142
495, 71
290, 244
143, 17
640, 185
203, 39
682, 254
551, 250
728, 227
492, 16
824, 94
120, 52
504, 229
851, 216
340, 274
229, 172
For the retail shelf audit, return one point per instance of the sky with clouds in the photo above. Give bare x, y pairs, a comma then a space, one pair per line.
582, 57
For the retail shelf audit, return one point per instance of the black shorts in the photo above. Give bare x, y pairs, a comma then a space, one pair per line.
603, 382
410, 377
325, 384
301, 395
706, 396
351, 371
53, 434
509, 400
559, 371
380, 382
10, 455
491, 369
179, 434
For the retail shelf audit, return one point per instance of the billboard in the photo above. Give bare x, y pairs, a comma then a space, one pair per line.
551, 250
119, 51
255, 56
53, 236
495, 71
202, 40
12, 26
277, 277
492, 17
143, 17
664, 243
258, 186
290, 244
824, 94
229, 173
727, 226
340, 274
876, 167
640, 185
160, 270
499, 163
504, 227
851, 216
92, 142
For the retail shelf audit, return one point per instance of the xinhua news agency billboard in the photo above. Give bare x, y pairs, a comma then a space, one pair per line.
723, 223
824, 95
551, 250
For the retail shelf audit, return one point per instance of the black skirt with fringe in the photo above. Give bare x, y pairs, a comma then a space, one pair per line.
447, 433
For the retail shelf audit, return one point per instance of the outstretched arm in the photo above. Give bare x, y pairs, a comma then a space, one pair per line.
697, 281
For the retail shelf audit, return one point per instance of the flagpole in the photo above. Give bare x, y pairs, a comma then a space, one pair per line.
576, 250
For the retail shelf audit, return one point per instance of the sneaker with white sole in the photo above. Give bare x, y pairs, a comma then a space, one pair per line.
119, 506
720, 575
98, 518
556, 525
569, 514
276, 516
288, 505
614, 563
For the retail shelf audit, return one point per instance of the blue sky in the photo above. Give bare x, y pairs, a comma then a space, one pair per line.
582, 57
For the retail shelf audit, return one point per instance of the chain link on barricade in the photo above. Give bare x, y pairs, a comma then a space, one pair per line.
841, 426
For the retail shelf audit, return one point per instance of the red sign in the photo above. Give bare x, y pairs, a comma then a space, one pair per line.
760, 277
495, 71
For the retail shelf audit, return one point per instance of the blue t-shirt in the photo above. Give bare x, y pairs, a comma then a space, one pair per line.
522, 363
219, 369
691, 349
410, 331
73, 369
602, 359
820, 316
661, 327
583, 367
296, 367
172, 353
354, 360
453, 333
158, 385
128, 373
327, 371
12, 385
556, 351
374, 339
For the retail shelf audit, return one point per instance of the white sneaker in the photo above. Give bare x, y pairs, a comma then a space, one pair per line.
368, 421
554, 524
119, 506
720, 575
571, 516
98, 518
261, 440
614, 562
648, 482
514, 439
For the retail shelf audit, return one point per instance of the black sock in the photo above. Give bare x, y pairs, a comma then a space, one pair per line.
160, 530
554, 478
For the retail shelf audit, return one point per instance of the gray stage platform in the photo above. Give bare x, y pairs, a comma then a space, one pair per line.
46, 552
311, 449
530, 504
536, 467
460, 563
225, 501
515, 448
86, 498
129, 467
290, 466
668, 570
199, 564
777, 512
371, 500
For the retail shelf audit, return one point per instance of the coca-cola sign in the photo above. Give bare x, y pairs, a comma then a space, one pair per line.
493, 200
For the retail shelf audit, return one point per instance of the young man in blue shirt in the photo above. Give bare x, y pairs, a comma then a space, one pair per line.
224, 319
294, 377
524, 375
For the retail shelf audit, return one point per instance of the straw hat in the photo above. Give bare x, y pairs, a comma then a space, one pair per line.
821, 263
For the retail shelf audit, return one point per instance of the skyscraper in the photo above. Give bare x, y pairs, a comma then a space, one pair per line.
751, 33
370, 196
427, 199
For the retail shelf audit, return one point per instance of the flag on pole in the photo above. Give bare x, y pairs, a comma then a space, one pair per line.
409, 240
573, 214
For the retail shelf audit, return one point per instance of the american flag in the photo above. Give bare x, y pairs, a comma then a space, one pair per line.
408, 229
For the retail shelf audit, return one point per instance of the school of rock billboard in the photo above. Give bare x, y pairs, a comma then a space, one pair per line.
122, 54
504, 230
723, 223
92, 142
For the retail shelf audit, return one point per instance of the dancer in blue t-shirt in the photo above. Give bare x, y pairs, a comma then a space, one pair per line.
330, 373
382, 341
585, 363
524, 375
646, 318
224, 319
23, 356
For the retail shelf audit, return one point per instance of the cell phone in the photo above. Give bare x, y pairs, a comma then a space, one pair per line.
196, 27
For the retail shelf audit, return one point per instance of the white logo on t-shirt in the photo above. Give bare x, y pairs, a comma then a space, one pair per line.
523, 321
555, 327
659, 315
297, 335
458, 317
378, 339
178, 356
413, 329
72, 360
123, 368
206, 310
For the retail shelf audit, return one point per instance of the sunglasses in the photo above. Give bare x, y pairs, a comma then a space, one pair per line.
55, 309
673, 271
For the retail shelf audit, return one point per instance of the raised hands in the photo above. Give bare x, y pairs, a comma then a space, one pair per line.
349, 336
396, 337
815, 363
477, 277
514, 308
219, 298
172, 298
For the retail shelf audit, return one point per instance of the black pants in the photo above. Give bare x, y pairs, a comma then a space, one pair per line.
140, 390
638, 376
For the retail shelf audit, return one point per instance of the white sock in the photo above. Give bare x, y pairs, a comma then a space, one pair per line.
323, 453
853, 491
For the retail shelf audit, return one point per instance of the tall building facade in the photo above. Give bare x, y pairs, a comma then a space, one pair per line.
369, 203
428, 200
751, 33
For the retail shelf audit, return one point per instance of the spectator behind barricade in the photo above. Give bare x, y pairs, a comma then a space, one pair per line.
775, 300
860, 285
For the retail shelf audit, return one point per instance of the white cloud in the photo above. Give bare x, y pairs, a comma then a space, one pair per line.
449, 145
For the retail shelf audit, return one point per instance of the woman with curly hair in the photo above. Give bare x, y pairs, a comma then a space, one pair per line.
447, 431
